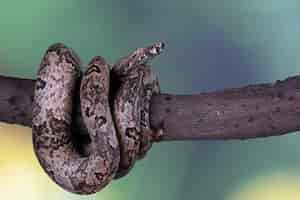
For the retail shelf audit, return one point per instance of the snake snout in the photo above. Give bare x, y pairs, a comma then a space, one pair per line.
156, 48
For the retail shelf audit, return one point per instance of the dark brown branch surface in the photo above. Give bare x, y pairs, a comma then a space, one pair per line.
247, 112
16, 96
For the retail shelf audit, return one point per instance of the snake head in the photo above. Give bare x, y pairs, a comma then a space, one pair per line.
144, 55
141, 56
155, 49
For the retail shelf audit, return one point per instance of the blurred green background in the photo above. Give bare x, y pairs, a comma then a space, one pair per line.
211, 45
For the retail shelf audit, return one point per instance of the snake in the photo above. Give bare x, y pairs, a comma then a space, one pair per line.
132, 103
119, 132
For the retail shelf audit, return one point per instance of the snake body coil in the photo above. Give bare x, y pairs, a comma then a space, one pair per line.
131, 104
113, 150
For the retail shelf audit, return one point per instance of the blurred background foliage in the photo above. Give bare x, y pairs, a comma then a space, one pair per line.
211, 45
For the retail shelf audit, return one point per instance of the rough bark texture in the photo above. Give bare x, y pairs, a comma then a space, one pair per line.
16, 96
248, 112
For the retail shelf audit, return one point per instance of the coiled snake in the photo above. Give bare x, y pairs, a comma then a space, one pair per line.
120, 132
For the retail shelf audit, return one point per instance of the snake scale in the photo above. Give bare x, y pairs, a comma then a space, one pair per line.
120, 132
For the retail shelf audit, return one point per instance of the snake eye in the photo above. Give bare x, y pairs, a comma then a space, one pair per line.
157, 48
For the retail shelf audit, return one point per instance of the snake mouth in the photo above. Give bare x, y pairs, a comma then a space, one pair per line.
156, 48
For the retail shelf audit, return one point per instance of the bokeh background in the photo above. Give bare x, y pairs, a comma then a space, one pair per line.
211, 45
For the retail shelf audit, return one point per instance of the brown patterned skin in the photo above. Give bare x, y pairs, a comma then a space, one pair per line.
148, 136
131, 105
111, 154
51, 124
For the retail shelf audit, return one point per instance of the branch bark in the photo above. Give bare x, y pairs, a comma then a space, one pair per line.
252, 111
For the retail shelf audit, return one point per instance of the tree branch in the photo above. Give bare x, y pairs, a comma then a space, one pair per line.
16, 96
248, 112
